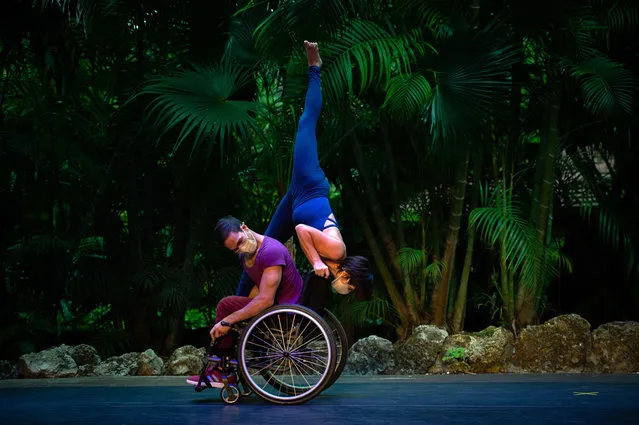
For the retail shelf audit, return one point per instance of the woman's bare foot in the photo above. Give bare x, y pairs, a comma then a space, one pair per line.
312, 54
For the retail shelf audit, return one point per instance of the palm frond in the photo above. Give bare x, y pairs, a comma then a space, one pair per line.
87, 12
556, 256
425, 13
364, 313
240, 46
220, 283
606, 85
408, 95
411, 260
92, 246
620, 15
502, 222
434, 270
280, 31
589, 189
373, 51
46, 243
614, 232
473, 74
200, 101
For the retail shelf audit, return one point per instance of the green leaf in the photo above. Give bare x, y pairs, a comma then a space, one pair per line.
606, 85
473, 81
411, 259
500, 223
199, 102
408, 95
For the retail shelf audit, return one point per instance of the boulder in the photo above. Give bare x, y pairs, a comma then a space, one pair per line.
54, 362
84, 354
453, 355
490, 350
615, 348
186, 360
124, 365
369, 356
149, 364
86, 370
420, 351
559, 345
8, 370
487, 351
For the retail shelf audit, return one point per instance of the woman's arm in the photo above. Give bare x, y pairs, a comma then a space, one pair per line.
317, 244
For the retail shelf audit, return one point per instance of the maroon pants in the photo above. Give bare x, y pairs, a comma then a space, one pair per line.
226, 306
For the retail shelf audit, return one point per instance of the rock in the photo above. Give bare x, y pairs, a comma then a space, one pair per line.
86, 370
559, 345
615, 348
8, 370
459, 367
369, 356
420, 351
490, 350
186, 360
54, 362
84, 354
124, 365
149, 364
487, 351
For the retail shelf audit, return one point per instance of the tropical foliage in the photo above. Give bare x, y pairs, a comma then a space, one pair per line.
481, 155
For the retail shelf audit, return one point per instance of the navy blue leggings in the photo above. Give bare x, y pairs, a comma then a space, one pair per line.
306, 201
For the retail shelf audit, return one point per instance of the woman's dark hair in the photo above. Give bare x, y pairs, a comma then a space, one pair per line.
227, 225
360, 276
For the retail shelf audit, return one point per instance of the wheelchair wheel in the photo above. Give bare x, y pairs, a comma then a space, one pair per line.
287, 354
341, 345
341, 352
230, 394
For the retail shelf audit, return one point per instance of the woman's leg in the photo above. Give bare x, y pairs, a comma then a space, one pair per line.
306, 167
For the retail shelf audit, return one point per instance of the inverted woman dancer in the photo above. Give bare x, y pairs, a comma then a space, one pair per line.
305, 209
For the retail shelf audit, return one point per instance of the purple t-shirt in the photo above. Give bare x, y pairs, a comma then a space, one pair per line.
273, 253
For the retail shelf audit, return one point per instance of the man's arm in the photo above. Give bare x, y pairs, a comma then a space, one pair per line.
265, 298
245, 286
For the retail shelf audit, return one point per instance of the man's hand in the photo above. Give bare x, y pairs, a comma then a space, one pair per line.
219, 330
321, 269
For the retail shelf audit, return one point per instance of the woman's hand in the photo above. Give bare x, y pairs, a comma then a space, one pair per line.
321, 269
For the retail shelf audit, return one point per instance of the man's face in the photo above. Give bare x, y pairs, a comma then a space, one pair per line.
236, 241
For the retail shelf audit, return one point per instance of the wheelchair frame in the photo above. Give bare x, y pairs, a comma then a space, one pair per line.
315, 294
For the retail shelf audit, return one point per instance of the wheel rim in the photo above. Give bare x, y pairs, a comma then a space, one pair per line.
286, 354
230, 394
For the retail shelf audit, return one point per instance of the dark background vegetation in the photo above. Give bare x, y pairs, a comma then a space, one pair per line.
482, 155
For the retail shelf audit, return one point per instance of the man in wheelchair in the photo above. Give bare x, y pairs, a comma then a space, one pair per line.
276, 281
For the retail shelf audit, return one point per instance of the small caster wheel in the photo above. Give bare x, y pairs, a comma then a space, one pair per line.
198, 389
230, 394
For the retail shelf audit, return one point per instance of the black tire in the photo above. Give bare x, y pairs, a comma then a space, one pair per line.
341, 345
308, 392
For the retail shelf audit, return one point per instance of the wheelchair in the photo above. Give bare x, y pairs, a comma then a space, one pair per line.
287, 354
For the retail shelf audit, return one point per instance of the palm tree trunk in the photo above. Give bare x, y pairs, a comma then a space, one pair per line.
539, 171
460, 302
375, 207
389, 283
526, 312
440, 291
410, 297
